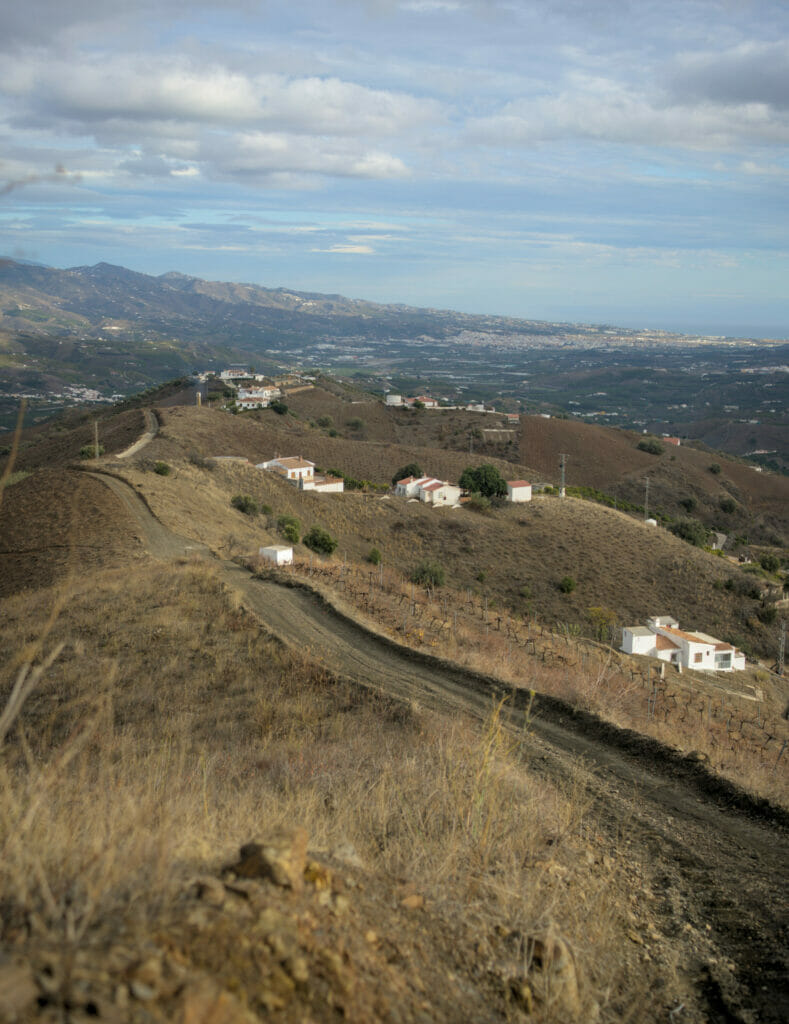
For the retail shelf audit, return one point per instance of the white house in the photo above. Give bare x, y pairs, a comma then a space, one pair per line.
518, 490
252, 402
392, 399
322, 484
663, 639
292, 468
279, 554
438, 492
408, 487
235, 374
426, 400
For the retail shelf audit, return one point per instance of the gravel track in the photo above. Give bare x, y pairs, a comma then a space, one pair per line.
715, 858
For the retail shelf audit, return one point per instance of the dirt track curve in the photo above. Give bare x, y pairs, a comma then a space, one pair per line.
717, 858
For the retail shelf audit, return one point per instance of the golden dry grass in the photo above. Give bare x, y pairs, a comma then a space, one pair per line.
161, 737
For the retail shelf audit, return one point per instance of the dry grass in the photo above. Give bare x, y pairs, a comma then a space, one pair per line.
166, 734
707, 716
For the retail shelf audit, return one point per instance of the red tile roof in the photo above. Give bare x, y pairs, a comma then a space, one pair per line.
518, 483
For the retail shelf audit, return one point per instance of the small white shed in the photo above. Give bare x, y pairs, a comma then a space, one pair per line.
279, 554
518, 490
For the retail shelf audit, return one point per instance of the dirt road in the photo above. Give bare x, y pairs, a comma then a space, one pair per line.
713, 859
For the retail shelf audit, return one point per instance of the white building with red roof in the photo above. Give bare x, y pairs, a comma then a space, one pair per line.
663, 639
518, 490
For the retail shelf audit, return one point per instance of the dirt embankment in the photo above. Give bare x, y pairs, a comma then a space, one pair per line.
718, 856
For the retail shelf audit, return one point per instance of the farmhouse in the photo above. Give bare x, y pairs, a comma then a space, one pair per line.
438, 492
428, 489
293, 467
427, 402
663, 639
235, 373
279, 554
518, 490
301, 472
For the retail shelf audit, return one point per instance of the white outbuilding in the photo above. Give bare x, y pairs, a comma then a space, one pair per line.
279, 554
518, 490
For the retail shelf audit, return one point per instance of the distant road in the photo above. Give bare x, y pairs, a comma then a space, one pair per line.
151, 430
719, 858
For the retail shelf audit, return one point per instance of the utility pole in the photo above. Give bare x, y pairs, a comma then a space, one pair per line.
96, 438
562, 464
646, 498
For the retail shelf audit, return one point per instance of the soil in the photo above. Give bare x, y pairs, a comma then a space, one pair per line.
711, 860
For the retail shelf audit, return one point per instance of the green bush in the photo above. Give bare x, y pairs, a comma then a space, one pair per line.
318, 539
690, 530
355, 424
88, 451
567, 584
715, 468
289, 527
727, 505
770, 563
244, 503
689, 504
325, 422
651, 445
374, 556
161, 468
428, 574
410, 469
485, 480
278, 407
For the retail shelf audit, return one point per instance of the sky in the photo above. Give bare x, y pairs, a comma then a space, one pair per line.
599, 161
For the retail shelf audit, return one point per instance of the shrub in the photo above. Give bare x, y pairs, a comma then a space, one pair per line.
374, 556
603, 622
200, 461
728, 505
355, 424
289, 527
485, 480
567, 584
688, 503
715, 468
266, 510
325, 422
410, 469
767, 614
690, 530
332, 432
88, 451
770, 563
318, 539
161, 468
428, 574
244, 503
478, 503
651, 445
278, 407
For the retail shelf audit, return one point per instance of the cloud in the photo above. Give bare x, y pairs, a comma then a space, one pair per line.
750, 73
606, 110
353, 250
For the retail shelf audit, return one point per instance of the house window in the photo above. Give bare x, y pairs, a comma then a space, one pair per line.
697, 657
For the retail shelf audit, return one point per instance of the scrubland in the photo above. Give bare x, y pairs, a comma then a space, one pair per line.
160, 737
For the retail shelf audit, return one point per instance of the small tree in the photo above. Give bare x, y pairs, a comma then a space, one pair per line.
410, 469
279, 407
690, 530
374, 557
567, 584
715, 468
88, 451
651, 445
318, 539
485, 480
161, 468
602, 620
728, 505
244, 503
428, 574
289, 527
325, 422
770, 563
